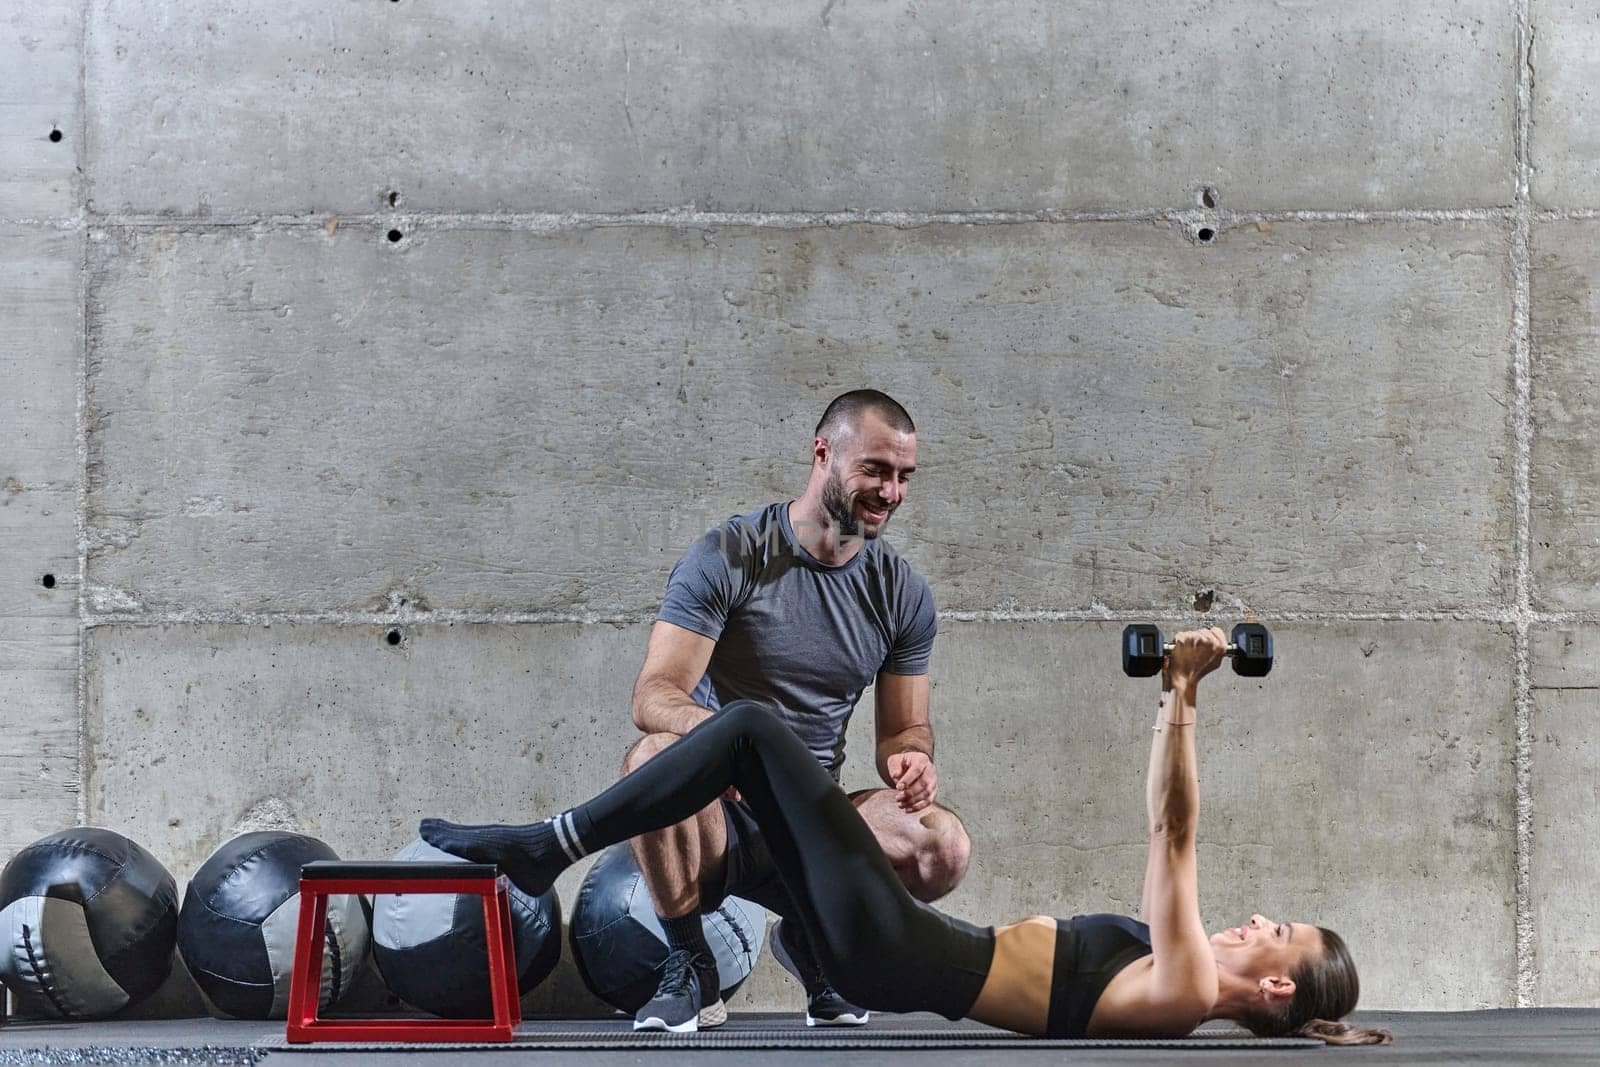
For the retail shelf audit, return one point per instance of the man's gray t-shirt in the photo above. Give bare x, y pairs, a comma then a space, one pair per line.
796, 634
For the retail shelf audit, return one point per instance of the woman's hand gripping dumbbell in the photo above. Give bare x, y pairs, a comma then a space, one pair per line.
1144, 649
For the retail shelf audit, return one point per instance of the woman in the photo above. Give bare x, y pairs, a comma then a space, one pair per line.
1097, 975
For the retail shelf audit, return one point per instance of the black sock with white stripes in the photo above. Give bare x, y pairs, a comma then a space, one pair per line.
531, 855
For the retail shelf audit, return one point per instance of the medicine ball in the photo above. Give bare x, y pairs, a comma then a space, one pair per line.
241, 915
89, 920
431, 948
617, 941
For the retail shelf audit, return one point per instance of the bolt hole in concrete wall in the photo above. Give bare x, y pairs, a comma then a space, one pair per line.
1208, 197
48, 581
393, 637
1205, 235
55, 136
395, 236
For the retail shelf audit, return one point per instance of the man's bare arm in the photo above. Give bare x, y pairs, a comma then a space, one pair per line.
903, 723
905, 739
674, 663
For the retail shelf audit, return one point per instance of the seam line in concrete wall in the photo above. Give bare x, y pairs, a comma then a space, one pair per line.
791, 220
1508, 616
1522, 356
48, 486
61, 222
81, 429
689, 219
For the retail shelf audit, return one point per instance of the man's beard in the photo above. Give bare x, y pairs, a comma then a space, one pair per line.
841, 509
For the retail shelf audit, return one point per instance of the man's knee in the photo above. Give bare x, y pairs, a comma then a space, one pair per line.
645, 749
941, 857
929, 849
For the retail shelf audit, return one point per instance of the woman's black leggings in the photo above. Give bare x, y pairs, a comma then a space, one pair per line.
879, 946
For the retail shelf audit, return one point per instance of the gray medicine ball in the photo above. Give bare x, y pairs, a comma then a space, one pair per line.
241, 916
617, 941
431, 949
89, 920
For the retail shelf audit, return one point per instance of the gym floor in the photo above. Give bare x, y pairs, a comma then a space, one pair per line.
1540, 1036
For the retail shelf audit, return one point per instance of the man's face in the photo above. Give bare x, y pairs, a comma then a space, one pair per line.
869, 473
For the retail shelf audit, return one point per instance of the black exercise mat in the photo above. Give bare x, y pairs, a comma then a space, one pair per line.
132, 1056
802, 1039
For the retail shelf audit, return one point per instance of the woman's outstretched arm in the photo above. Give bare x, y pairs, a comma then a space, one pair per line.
1184, 974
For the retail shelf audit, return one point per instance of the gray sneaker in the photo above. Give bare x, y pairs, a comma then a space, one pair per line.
678, 1004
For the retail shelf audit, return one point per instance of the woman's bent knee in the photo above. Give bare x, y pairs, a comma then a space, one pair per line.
750, 718
742, 711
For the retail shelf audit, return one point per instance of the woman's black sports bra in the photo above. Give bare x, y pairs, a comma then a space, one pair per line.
1090, 951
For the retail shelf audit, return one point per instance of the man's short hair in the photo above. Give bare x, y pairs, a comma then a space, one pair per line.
846, 410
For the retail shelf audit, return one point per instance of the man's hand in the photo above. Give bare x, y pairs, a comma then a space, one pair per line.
916, 783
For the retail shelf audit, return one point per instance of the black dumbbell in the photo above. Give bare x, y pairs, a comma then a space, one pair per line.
1144, 650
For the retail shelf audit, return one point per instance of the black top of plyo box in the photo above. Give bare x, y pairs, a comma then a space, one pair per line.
320, 869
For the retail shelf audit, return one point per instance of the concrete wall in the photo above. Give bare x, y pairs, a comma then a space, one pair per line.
461, 320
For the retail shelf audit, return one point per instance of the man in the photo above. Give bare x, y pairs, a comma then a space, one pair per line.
798, 606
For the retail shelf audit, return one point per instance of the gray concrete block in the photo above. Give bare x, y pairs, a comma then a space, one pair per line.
201, 733
1564, 657
39, 548
1564, 862
1366, 784
509, 420
41, 335
474, 106
39, 778
40, 340
1406, 846
1563, 138
1565, 522
41, 54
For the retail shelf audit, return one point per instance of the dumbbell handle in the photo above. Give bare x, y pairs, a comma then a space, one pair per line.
1168, 646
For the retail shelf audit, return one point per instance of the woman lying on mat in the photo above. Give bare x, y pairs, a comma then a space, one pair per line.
1095, 975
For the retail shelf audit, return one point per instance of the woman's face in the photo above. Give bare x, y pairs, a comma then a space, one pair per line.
1262, 948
